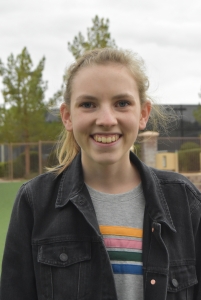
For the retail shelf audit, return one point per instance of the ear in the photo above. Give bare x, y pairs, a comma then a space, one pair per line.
66, 117
145, 113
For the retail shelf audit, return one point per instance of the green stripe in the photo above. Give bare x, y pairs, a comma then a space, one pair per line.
125, 256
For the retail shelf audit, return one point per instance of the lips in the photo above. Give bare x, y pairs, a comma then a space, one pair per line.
106, 139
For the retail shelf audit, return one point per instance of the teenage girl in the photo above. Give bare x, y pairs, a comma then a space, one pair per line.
102, 225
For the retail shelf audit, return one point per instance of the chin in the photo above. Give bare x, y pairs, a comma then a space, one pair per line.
107, 160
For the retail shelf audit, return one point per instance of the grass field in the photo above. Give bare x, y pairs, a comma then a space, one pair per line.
8, 192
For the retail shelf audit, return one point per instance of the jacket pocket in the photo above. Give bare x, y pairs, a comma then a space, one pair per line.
181, 282
65, 269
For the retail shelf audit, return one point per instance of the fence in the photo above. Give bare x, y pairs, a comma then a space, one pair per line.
187, 152
20, 160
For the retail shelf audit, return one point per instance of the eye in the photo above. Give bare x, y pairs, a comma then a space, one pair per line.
88, 105
123, 103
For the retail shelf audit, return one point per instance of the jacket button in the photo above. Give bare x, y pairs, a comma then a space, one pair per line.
81, 202
63, 257
153, 281
175, 283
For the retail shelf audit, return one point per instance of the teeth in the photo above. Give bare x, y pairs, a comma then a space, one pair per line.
106, 139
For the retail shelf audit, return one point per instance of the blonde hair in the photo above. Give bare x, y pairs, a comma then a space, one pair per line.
67, 147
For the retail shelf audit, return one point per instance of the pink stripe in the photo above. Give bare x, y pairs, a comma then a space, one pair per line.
122, 243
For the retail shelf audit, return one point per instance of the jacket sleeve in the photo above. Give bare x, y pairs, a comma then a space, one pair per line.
195, 201
17, 279
197, 294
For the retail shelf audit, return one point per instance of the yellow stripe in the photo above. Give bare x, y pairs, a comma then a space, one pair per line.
119, 230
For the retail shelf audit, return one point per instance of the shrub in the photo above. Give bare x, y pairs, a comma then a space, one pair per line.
189, 146
3, 169
189, 160
19, 164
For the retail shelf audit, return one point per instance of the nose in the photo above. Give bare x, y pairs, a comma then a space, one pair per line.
106, 117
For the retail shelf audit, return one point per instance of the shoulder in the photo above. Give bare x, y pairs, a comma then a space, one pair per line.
169, 175
176, 181
41, 180
40, 189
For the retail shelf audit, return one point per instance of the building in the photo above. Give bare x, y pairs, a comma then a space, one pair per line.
186, 124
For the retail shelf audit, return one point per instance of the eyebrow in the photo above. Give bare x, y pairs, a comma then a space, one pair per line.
86, 97
116, 97
125, 95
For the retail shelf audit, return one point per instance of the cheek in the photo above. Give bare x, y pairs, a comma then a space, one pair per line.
132, 121
80, 123
79, 126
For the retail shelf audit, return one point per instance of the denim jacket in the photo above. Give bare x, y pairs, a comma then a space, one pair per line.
54, 249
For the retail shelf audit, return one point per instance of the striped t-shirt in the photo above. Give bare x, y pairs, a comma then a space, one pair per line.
120, 217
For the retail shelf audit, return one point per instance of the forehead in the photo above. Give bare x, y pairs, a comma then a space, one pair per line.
94, 67
105, 74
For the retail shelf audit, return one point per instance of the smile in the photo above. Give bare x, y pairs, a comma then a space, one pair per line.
105, 139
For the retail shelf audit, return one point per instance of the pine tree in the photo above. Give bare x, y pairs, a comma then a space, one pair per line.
98, 36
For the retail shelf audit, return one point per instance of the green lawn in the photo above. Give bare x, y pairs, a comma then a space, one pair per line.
8, 192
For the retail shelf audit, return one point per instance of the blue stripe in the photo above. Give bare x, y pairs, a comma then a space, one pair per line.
127, 269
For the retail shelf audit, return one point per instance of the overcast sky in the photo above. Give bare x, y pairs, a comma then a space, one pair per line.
166, 34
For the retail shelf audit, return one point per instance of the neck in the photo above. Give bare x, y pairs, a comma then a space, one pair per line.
112, 179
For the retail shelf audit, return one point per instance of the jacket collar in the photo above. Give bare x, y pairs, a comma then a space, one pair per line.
72, 182
154, 196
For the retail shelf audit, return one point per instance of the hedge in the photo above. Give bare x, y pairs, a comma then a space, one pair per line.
19, 166
189, 160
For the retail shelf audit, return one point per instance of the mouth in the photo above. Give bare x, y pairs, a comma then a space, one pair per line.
106, 139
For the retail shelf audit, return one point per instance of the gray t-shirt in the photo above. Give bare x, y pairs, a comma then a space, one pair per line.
120, 217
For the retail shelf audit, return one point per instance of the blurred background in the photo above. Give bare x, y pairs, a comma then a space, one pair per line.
40, 39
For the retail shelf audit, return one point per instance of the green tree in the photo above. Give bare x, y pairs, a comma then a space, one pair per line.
98, 36
23, 112
22, 115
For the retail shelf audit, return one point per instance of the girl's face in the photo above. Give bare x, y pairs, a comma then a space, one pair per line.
105, 113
